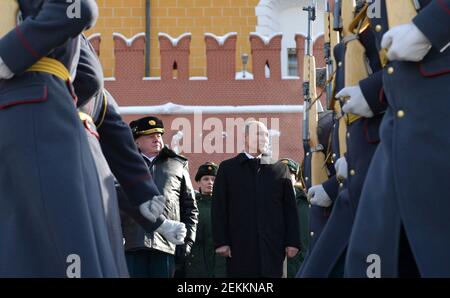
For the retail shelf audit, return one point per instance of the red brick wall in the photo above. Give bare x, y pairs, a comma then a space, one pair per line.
221, 88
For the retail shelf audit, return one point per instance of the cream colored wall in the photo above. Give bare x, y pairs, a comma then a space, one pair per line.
175, 17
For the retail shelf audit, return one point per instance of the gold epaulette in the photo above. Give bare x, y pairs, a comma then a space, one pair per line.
51, 66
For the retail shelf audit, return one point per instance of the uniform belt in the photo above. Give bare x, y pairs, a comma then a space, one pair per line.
51, 66
351, 118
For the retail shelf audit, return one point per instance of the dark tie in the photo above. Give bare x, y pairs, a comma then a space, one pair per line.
255, 162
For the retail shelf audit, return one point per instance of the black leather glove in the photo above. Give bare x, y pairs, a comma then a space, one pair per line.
183, 251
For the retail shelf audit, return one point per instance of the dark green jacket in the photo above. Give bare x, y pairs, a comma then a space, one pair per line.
203, 262
303, 219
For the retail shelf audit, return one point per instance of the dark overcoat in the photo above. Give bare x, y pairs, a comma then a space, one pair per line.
254, 212
51, 212
407, 183
362, 139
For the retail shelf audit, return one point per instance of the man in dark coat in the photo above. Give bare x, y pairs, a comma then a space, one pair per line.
153, 254
203, 262
402, 219
254, 217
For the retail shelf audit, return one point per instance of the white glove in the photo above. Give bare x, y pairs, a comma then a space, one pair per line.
341, 168
356, 104
153, 208
406, 43
173, 231
5, 72
318, 196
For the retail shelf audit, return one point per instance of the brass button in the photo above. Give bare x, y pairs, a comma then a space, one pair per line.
352, 173
312, 234
339, 64
341, 185
307, 153
334, 155
348, 135
378, 28
390, 70
306, 178
400, 113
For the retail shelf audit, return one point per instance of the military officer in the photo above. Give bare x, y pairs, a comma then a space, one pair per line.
153, 254
117, 142
203, 261
293, 264
403, 225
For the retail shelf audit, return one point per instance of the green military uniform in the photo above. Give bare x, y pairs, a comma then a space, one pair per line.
203, 261
303, 219
293, 264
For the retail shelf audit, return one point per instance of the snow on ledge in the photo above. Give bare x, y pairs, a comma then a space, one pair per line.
198, 78
240, 76
109, 79
151, 78
175, 109
174, 40
128, 41
221, 39
266, 38
92, 36
291, 78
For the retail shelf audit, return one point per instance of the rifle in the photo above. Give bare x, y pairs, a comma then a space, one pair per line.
331, 39
355, 53
399, 12
355, 63
319, 171
337, 17
334, 36
9, 10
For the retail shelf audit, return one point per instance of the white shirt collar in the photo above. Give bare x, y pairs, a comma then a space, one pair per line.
149, 158
251, 156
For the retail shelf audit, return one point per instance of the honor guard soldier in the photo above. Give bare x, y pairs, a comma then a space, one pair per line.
320, 196
402, 217
114, 151
361, 136
317, 168
49, 189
